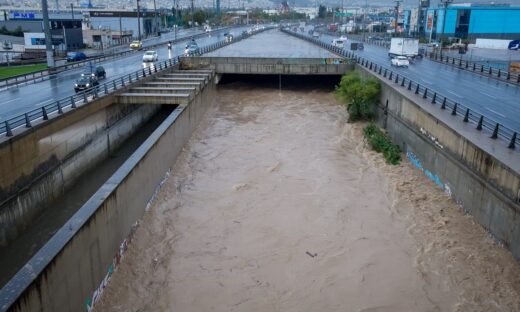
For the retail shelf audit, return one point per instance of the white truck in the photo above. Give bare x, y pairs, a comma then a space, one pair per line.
408, 47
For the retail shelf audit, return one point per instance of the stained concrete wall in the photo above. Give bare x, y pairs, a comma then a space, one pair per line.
38, 164
268, 66
482, 174
66, 274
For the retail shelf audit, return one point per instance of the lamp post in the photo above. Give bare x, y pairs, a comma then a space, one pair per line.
48, 39
138, 23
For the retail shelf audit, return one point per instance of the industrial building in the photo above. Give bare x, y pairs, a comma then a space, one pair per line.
465, 21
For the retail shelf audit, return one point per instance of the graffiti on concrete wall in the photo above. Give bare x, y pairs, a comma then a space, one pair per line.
90, 302
417, 163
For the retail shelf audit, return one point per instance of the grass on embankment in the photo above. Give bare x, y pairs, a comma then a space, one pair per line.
11, 71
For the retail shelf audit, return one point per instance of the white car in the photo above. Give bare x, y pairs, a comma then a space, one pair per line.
400, 61
338, 43
150, 56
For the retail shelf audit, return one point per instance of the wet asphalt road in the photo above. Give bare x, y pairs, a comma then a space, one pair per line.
18, 100
495, 99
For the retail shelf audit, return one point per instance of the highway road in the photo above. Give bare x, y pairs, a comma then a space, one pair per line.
490, 97
16, 101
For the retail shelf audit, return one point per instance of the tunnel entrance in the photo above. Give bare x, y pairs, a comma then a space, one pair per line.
287, 82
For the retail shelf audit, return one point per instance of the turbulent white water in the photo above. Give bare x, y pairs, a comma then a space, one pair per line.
277, 205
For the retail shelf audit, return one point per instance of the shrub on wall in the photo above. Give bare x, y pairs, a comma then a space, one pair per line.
359, 94
382, 144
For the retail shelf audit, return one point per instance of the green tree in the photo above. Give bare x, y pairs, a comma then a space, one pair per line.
359, 95
322, 11
199, 17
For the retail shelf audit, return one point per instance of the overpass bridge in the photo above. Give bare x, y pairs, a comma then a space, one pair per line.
71, 270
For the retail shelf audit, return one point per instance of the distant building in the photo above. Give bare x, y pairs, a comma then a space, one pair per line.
65, 30
470, 21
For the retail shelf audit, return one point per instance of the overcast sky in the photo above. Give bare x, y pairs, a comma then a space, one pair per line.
416, 2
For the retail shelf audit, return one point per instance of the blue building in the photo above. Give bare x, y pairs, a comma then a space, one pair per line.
473, 21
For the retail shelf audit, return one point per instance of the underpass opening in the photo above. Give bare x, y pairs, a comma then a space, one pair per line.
288, 82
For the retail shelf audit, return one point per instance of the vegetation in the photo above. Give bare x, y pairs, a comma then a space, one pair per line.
7, 72
359, 94
322, 11
18, 32
382, 144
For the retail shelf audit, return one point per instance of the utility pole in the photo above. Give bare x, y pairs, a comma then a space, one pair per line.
72, 10
48, 37
365, 28
138, 23
192, 14
397, 2
445, 4
155, 18
120, 30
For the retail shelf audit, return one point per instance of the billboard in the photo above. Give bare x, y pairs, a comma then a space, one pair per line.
429, 21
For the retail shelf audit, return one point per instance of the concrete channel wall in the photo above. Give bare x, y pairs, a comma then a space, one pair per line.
69, 272
38, 164
481, 174
268, 66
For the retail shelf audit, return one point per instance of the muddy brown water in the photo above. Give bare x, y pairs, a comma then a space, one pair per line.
276, 204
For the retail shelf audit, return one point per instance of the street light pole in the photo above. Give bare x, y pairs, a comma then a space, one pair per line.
138, 23
155, 18
192, 13
48, 38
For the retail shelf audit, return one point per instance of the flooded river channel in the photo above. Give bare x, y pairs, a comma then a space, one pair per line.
277, 204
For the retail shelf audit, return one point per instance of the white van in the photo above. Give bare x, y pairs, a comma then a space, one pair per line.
338, 42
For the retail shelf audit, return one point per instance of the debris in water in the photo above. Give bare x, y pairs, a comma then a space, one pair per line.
311, 255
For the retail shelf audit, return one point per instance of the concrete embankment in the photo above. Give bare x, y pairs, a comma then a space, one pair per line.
480, 173
39, 164
70, 271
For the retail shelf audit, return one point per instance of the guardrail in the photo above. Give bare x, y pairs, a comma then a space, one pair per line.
460, 63
468, 115
80, 99
46, 74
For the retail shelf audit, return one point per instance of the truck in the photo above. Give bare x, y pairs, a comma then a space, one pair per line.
408, 47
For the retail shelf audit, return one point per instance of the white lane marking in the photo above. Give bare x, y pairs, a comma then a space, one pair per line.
9, 101
457, 95
493, 111
42, 103
489, 95
426, 81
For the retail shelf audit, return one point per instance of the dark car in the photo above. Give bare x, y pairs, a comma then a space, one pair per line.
85, 83
191, 49
97, 72
360, 46
76, 56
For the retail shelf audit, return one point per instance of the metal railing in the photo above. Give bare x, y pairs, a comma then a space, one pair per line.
41, 75
468, 115
460, 63
80, 99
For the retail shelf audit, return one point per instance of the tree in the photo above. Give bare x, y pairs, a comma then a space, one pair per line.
322, 11
359, 95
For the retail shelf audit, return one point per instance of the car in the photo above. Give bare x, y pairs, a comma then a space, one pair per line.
228, 37
433, 44
400, 61
85, 83
191, 49
244, 33
208, 28
361, 46
136, 45
338, 43
316, 34
150, 56
97, 72
76, 56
